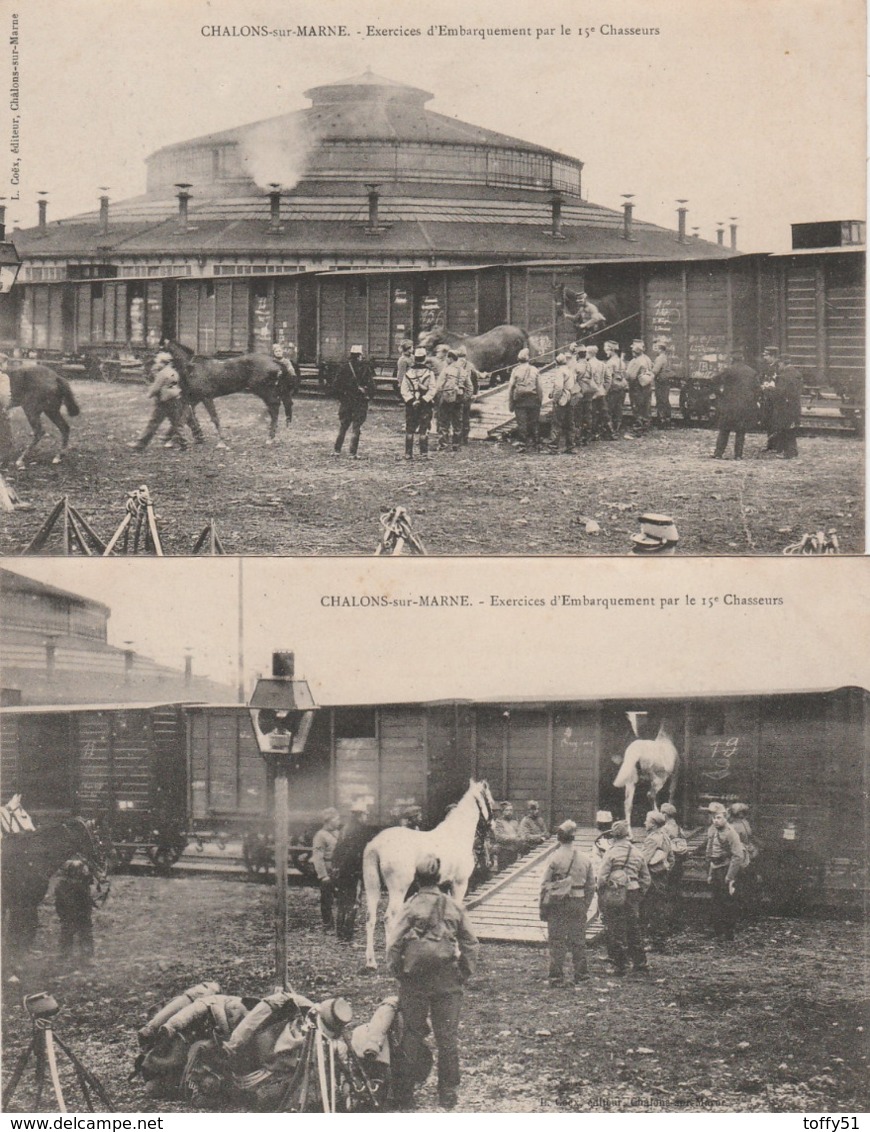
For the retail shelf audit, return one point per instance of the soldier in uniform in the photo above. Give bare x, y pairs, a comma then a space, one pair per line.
599, 379
662, 374
355, 386
322, 850
418, 392
681, 851
563, 394
347, 869
412, 817
615, 368
533, 829
475, 377
659, 856
432, 953
725, 858
785, 411
623, 867
290, 376
165, 389
566, 918
72, 902
639, 375
737, 391
506, 833
452, 388
406, 359
525, 397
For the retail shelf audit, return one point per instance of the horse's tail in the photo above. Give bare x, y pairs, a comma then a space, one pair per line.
629, 767
372, 875
69, 401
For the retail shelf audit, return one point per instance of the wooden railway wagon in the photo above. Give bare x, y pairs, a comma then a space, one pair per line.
799, 759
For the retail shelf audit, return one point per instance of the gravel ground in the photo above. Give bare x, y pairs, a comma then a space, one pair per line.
294, 498
774, 1022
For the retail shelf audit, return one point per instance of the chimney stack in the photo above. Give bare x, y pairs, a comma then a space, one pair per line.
374, 198
733, 233
104, 212
682, 211
188, 669
556, 216
42, 205
720, 233
129, 654
183, 198
696, 233
274, 207
283, 665
628, 217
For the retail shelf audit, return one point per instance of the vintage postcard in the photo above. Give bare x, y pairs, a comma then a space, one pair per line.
702, 730
629, 242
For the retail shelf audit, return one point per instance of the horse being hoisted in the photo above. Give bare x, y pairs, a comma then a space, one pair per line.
496, 350
656, 761
391, 858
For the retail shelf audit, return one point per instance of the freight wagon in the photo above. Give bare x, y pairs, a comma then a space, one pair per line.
161, 772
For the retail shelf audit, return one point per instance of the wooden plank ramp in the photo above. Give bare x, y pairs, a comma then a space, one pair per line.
505, 909
490, 415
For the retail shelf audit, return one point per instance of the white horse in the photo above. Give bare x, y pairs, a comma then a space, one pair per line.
392, 858
655, 760
14, 818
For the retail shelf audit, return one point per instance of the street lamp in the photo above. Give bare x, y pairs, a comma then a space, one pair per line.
282, 711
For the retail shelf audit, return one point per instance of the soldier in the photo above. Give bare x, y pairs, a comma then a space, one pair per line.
347, 869
451, 390
623, 878
749, 880
165, 389
598, 377
615, 368
287, 386
737, 389
322, 850
412, 817
680, 848
662, 374
566, 917
506, 833
785, 411
586, 391
564, 394
525, 397
475, 376
406, 359
72, 902
533, 829
418, 392
725, 857
659, 856
355, 386
639, 375
432, 954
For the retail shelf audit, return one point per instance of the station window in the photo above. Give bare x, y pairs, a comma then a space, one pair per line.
355, 723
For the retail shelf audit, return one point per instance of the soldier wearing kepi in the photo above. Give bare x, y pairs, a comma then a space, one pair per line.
432, 953
599, 378
725, 858
662, 374
525, 397
618, 385
569, 883
563, 395
738, 390
72, 902
475, 378
659, 856
165, 389
322, 850
452, 388
533, 829
418, 392
355, 387
347, 867
784, 411
406, 359
289, 382
623, 878
639, 374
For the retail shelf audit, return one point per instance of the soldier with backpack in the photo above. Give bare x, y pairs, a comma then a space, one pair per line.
432, 954
525, 397
623, 878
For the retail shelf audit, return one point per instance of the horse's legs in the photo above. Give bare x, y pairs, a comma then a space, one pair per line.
373, 897
460, 887
59, 422
189, 418
35, 422
272, 403
629, 801
215, 420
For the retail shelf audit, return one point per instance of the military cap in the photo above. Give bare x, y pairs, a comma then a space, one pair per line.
656, 817
420, 352
669, 810
566, 830
620, 829
523, 355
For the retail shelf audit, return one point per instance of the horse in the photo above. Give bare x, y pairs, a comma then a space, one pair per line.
656, 760
391, 858
497, 349
29, 861
203, 379
14, 818
37, 389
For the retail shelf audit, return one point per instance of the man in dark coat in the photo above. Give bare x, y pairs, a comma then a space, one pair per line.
737, 389
72, 901
347, 869
784, 411
355, 386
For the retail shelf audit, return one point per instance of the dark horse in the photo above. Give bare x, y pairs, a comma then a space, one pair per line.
37, 389
203, 379
29, 861
493, 352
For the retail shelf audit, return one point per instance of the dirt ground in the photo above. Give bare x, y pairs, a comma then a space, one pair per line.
774, 1022
294, 498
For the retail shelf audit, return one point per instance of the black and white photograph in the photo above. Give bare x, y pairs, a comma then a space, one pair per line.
338, 279
268, 851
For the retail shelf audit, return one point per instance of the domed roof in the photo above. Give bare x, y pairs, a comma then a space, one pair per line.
366, 85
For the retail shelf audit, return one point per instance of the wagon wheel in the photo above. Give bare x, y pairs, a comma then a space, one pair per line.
163, 857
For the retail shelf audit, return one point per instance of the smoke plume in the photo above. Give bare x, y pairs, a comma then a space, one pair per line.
276, 152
